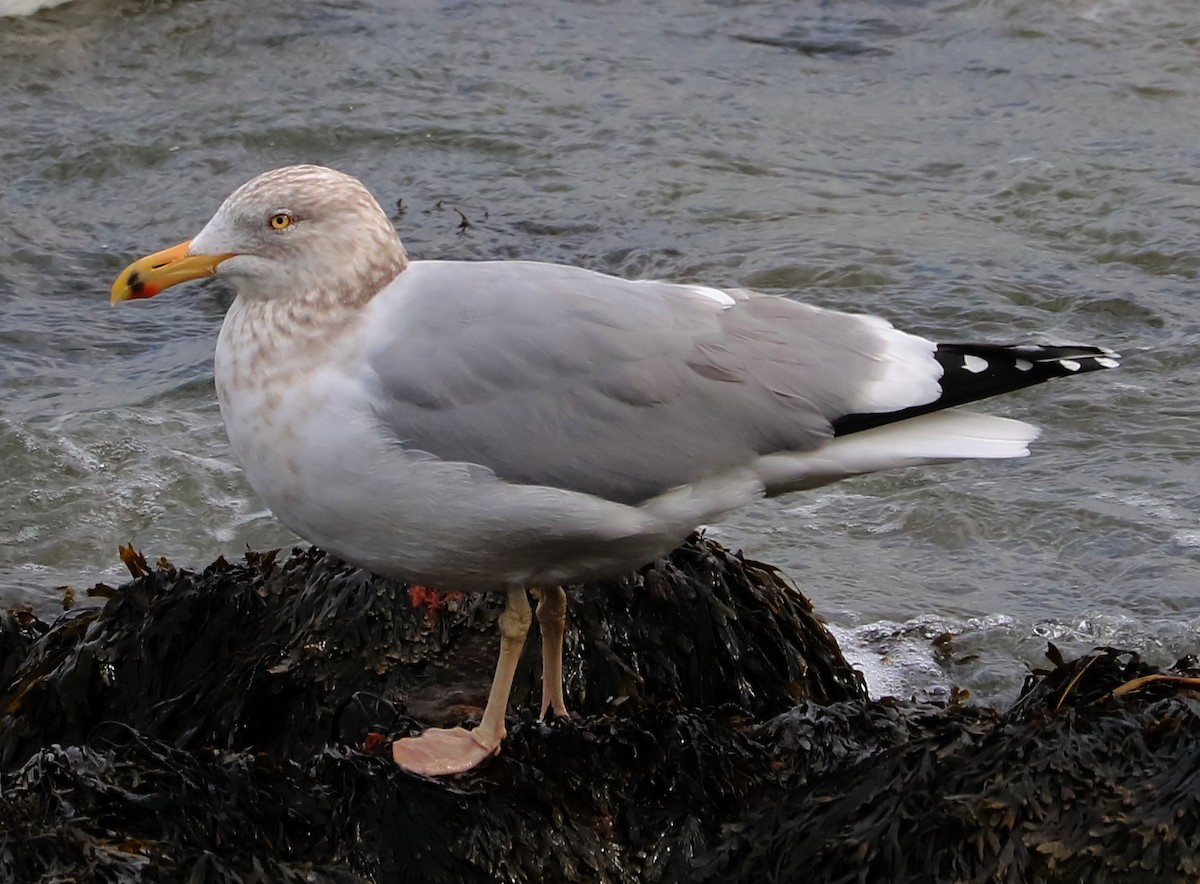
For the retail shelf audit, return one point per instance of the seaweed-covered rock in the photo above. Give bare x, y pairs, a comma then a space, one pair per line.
184, 686
233, 725
262, 655
1093, 775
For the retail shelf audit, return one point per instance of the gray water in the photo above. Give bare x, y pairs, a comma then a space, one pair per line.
982, 169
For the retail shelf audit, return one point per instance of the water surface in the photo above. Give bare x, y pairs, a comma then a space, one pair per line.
995, 169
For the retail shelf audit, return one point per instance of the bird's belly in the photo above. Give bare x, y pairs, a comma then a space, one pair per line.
318, 458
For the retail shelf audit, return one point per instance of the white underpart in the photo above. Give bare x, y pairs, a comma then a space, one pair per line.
1107, 361
706, 499
1023, 364
928, 438
910, 372
974, 364
1069, 364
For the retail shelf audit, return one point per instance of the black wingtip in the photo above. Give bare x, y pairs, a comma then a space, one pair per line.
978, 371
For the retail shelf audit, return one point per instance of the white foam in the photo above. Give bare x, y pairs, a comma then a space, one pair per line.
26, 7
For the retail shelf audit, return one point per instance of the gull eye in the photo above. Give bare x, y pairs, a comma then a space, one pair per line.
280, 221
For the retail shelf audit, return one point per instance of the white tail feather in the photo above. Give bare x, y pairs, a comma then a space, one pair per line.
929, 438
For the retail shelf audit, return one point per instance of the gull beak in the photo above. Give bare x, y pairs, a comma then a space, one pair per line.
148, 276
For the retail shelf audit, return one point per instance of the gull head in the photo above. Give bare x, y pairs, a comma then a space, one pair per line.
293, 232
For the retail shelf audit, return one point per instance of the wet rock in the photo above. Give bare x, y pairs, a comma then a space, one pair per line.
234, 725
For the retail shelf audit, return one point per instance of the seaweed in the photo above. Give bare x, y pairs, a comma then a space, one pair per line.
1092, 775
233, 724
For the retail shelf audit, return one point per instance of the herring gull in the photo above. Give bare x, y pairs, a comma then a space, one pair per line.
514, 426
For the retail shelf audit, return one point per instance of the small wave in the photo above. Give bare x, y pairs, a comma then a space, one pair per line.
933, 657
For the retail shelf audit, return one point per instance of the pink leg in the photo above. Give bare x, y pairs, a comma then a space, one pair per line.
453, 750
552, 618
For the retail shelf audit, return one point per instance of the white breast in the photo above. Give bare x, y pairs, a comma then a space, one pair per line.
296, 420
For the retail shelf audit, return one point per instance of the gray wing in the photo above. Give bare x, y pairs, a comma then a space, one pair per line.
553, 375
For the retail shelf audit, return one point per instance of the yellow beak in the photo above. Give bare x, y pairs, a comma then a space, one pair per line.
148, 276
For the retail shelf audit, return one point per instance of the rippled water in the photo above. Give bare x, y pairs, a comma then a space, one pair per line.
1000, 169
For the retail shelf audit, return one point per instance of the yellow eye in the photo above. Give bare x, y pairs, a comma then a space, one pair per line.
280, 221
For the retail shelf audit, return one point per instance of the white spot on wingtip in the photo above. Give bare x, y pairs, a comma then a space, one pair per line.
1023, 364
975, 364
1107, 362
1069, 364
